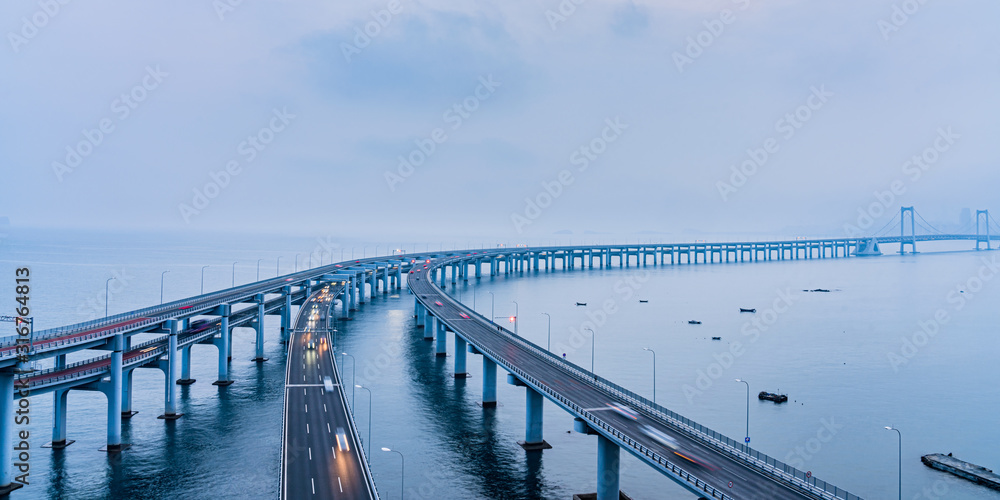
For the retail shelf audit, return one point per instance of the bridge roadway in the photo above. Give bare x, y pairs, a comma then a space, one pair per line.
582, 398
320, 452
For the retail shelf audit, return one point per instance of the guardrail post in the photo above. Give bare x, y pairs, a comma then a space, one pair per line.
460, 357
608, 461
442, 338
169, 368
489, 383
223, 344
185, 367
7, 482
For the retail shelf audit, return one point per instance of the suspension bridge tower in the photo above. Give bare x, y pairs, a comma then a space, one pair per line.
982, 228
903, 238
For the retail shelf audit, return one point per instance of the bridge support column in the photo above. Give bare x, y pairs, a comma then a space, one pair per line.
60, 400
533, 422
460, 356
429, 325
608, 461
113, 391
489, 383
223, 344
418, 311
185, 367
260, 329
169, 368
442, 337
7, 405
286, 316
127, 393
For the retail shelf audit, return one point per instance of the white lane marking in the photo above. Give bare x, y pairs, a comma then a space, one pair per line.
307, 408
322, 392
304, 392
303, 385
324, 407
734, 473
303, 378
334, 450
307, 428
328, 427
310, 453
339, 484
313, 481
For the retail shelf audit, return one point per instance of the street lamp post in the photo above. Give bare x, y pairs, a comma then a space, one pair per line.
492, 306
203, 279
234, 274
258, 269
402, 471
747, 440
277, 267
297, 262
376, 251
548, 346
106, 296
515, 316
654, 372
900, 435
369, 443
354, 373
161, 285
593, 349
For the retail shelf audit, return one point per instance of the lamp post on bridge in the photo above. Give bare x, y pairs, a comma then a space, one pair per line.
369, 418
900, 435
593, 349
106, 296
297, 262
234, 274
654, 372
402, 471
492, 306
515, 316
376, 251
747, 439
161, 287
277, 267
203, 279
258, 269
354, 373
548, 346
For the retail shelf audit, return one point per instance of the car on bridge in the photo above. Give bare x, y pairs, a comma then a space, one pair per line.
624, 411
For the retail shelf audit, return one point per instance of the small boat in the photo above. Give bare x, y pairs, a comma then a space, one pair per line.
694, 322
716, 338
581, 303
744, 310
770, 396
643, 301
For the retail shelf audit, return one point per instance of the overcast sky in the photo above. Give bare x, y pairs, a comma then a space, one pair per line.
666, 97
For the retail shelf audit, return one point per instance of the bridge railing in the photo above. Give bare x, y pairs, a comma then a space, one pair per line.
756, 460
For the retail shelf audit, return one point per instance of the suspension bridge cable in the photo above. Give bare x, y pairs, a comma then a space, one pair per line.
928, 223
888, 224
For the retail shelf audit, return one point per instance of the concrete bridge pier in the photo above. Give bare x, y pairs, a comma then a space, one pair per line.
442, 275
127, 411
60, 403
442, 337
489, 383
7, 408
113, 390
533, 440
608, 462
455, 269
418, 311
479, 269
185, 367
223, 344
260, 329
169, 367
429, 325
460, 347
286, 315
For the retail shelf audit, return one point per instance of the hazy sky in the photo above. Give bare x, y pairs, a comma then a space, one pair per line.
492, 101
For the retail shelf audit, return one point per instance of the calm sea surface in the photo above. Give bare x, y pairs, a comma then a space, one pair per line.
851, 360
